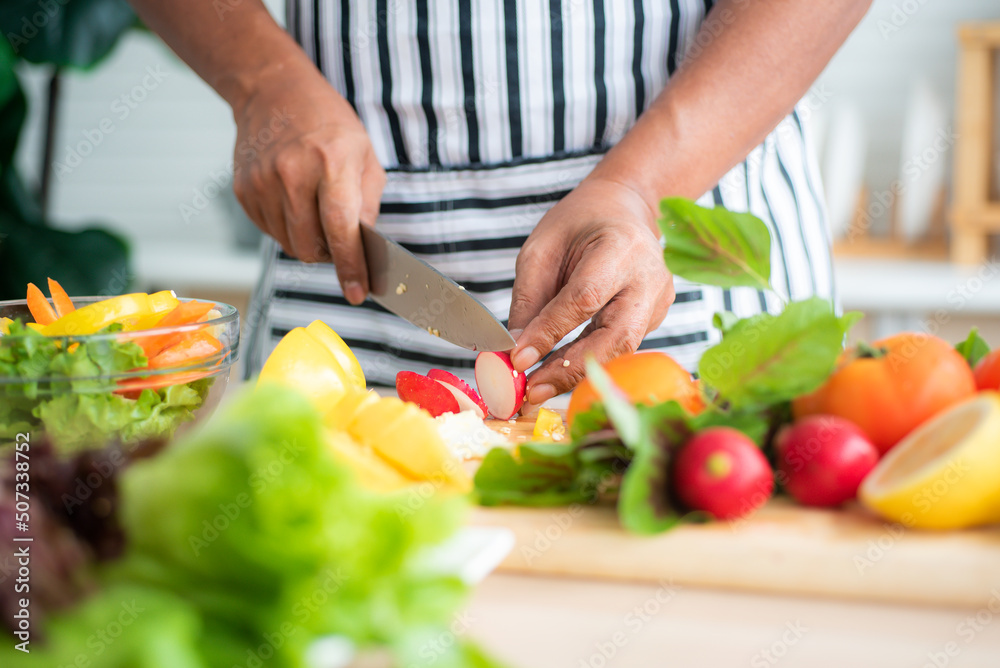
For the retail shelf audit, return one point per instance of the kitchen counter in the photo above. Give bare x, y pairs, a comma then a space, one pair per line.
551, 622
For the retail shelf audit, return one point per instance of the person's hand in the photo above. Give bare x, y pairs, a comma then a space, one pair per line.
306, 173
592, 256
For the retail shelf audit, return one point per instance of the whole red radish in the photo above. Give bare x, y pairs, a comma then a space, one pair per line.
501, 386
429, 394
822, 459
721, 471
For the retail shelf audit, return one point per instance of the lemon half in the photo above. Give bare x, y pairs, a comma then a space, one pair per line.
945, 474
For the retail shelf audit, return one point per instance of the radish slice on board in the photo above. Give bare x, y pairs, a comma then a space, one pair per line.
500, 385
464, 402
454, 381
426, 393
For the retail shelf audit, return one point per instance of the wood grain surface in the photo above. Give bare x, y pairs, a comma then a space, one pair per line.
783, 548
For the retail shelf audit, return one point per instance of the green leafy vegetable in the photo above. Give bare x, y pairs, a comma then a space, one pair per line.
715, 246
249, 534
767, 359
973, 348
588, 421
724, 321
78, 420
65, 392
537, 474
643, 503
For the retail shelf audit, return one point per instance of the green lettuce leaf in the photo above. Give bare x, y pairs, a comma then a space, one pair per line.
78, 420
973, 348
122, 626
715, 246
63, 392
768, 359
253, 522
536, 474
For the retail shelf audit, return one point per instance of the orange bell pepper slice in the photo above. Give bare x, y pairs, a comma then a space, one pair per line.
61, 300
133, 387
39, 306
184, 313
193, 347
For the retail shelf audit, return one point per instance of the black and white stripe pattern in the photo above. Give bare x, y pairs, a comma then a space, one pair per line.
485, 114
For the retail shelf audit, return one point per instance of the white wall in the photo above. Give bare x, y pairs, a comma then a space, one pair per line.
166, 149
898, 41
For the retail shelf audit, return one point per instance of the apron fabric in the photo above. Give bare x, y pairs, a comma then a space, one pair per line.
485, 114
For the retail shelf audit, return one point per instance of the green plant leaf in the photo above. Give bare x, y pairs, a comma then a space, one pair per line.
67, 33
536, 474
85, 262
715, 246
767, 359
973, 348
724, 321
623, 415
651, 432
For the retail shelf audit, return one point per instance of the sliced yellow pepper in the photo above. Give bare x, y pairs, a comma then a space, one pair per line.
95, 317
5, 326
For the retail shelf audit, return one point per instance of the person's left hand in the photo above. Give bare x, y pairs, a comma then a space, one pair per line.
592, 256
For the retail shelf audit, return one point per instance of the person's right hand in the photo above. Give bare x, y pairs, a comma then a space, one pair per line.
306, 173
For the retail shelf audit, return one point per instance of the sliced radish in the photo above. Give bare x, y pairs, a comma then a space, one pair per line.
454, 381
429, 394
500, 385
464, 402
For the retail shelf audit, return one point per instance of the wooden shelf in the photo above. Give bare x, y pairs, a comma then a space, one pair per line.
974, 215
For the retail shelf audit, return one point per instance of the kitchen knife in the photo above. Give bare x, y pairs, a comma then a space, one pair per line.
415, 291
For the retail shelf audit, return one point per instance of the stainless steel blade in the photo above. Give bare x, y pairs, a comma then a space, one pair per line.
415, 291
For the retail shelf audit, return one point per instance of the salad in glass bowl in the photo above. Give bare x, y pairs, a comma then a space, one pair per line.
89, 370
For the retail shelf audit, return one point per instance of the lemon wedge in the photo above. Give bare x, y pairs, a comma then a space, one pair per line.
945, 474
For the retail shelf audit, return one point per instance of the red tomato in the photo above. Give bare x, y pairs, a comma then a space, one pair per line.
987, 372
891, 387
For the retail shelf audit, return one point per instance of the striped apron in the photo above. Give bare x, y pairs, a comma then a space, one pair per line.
485, 113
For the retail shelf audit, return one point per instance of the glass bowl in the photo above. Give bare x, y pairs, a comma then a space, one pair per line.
85, 391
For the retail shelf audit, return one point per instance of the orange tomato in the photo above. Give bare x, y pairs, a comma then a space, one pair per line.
648, 378
987, 372
891, 387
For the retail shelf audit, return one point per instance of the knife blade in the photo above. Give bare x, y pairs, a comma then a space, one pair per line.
417, 292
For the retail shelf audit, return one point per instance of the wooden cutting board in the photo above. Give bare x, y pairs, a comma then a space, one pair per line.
783, 548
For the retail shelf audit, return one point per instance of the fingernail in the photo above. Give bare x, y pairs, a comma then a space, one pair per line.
354, 293
524, 358
516, 333
541, 393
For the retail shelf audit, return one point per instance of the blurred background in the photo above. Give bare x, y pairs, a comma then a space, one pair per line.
140, 146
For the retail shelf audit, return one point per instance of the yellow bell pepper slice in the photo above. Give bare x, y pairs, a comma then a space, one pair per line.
95, 317
345, 356
5, 326
301, 362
